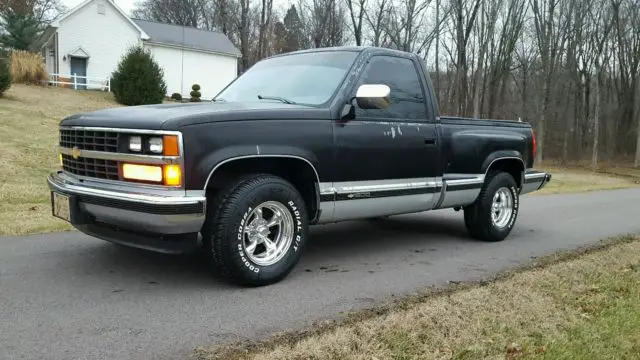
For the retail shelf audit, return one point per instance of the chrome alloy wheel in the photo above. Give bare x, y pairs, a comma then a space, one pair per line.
268, 233
502, 207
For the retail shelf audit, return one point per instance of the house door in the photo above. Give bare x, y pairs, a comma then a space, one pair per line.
79, 72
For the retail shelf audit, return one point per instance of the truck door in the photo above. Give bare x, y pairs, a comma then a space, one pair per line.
387, 160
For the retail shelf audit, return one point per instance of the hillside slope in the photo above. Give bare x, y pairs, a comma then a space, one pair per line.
29, 117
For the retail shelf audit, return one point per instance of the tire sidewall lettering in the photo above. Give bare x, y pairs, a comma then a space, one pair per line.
516, 200
299, 225
240, 237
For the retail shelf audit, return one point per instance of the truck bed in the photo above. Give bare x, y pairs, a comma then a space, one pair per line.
458, 120
469, 144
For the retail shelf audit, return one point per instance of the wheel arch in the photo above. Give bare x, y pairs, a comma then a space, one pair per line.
507, 161
298, 170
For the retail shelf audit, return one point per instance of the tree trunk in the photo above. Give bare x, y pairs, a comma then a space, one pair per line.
438, 53
637, 160
479, 84
543, 120
262, 34
596, 122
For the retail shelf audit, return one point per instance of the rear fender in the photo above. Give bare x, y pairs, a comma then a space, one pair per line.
513, 156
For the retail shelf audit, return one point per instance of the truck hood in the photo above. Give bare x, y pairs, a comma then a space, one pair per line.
174, 116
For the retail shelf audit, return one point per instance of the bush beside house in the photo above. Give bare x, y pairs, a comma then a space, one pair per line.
195, 93
138, 80
5, 76
28, 68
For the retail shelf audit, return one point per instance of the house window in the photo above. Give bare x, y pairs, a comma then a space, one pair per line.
101, 8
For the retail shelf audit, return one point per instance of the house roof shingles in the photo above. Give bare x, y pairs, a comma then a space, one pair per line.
193, 38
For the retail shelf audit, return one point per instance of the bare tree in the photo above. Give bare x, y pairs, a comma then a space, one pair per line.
178, 12
357, 10
405, 20
511, 20
550, 19
464, 17
265, 18
243, 25
376, 17
627, 23
41, 11
487, 24
325, 20
598, 30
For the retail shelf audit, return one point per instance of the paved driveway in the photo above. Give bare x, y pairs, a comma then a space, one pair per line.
67, 296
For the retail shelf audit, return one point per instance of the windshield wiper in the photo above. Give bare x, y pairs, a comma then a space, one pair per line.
275, 98
218, 100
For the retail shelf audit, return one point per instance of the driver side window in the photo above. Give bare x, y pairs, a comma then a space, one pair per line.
400, 74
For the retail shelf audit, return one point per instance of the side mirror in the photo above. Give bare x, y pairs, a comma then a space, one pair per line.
373, 96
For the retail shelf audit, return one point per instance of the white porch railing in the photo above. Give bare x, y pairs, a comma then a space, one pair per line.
76, 81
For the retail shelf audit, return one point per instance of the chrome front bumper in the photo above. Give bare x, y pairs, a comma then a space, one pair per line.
534, 181
165, 221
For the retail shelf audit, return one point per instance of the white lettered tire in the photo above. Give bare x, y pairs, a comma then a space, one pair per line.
256, 230
493, 215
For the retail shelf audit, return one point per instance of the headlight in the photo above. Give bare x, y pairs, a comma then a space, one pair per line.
166, 145
155, 145
135, 143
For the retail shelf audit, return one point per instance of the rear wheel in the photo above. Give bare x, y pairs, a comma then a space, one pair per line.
493, 215
256, 229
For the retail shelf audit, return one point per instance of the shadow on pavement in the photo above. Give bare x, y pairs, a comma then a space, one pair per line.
347, 242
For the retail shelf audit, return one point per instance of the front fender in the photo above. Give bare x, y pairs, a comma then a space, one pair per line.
209, 163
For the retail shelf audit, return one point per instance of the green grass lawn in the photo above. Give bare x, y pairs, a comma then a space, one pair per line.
574, 179
29, 117
571, 306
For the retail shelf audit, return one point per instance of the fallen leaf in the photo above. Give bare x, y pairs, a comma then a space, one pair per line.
446, 353
513, 348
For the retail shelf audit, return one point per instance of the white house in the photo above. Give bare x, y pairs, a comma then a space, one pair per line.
91, 38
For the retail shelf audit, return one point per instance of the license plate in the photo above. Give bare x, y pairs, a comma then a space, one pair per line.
61, 207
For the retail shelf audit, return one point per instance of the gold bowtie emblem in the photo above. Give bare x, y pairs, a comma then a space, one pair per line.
75, 152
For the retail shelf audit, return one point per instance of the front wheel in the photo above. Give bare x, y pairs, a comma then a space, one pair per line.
255, 231
493, 215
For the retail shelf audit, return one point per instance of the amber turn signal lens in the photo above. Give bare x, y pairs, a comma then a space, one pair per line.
172, 175
170, 145
142, 172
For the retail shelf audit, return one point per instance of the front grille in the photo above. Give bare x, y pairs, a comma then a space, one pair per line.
102, 169
89, 140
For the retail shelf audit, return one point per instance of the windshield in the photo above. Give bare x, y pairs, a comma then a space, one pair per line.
309, 79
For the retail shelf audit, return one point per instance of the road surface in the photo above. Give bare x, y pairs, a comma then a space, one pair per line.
68, 296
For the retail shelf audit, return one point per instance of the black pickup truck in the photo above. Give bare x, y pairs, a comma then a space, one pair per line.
304, 138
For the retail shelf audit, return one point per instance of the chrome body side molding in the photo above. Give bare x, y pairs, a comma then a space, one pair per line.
364, 199
461, 189
353, 200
